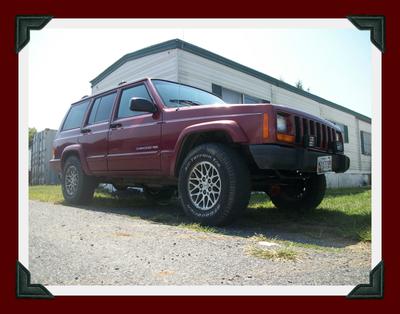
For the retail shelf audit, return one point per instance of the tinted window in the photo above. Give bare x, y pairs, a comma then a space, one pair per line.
101, 109
124, 103
93, 112
175, 95
75, 116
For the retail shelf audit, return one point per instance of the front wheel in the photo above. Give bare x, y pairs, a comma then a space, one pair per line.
214, 184
302, 196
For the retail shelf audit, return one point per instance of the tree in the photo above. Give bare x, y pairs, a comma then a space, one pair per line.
32, 132
299, 85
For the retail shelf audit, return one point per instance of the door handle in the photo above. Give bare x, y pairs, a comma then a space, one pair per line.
86, 130
115, 125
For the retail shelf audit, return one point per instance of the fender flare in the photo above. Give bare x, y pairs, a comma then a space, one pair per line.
76, 148
230, 127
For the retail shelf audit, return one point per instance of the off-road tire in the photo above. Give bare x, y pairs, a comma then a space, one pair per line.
83, 194
290, 199
159, 196
234, 187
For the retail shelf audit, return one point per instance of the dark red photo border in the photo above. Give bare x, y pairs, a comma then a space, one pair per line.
180, 9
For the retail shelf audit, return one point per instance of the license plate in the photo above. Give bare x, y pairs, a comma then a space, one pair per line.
324, 164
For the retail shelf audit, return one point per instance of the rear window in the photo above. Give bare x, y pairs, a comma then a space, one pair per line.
75, 116
101, 109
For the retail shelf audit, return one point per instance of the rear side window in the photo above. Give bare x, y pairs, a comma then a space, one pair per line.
124, 103
75, 116
101, 109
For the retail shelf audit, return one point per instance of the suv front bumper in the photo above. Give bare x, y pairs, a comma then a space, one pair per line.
276, 157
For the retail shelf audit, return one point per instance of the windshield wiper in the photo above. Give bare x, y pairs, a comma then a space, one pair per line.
185, 102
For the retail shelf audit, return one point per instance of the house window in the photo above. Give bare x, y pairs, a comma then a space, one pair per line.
253, 100
233, 97
365, 143
344, 129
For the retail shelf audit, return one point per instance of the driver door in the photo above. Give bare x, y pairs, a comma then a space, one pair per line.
134, 137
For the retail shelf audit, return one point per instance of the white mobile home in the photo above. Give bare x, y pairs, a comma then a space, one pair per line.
180, 61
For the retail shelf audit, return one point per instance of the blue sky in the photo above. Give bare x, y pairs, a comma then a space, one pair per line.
333, 63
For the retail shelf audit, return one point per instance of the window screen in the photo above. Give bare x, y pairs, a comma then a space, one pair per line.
75, 116
231, 97
365, 143
136, 91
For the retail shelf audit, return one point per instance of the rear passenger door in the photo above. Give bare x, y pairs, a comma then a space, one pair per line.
134, 140
94, 139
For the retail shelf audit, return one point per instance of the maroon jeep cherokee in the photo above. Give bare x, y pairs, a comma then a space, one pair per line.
164, 136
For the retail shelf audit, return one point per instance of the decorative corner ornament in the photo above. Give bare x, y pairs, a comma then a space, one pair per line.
24, 24
372, 290
374, 23
25, 289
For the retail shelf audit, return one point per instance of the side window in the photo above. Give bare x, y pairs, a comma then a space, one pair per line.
127, 94
75, 116
101, 109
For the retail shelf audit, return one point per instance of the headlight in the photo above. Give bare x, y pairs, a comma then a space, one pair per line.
337, 137
281, 124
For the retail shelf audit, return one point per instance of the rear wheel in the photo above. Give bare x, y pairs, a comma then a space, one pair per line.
302, 196
214, 184
77, 187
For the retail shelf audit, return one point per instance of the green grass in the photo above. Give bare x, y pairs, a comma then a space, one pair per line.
46, 193
199, 228
285, 253
344, 214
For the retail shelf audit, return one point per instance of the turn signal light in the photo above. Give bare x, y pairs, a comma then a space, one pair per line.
265, 127
285, 138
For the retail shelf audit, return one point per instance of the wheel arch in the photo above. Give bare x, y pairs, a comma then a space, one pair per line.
75, 150
225, 131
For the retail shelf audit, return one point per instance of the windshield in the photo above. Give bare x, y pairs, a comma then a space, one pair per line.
177, 95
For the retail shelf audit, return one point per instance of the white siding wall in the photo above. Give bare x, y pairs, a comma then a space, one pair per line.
161, 65
200, 72
282, 96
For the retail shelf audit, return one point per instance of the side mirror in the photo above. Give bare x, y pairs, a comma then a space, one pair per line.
142, 105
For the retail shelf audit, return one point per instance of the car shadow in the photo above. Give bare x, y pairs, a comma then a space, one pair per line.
322, 227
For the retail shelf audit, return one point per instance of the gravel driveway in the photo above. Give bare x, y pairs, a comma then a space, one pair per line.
90, 246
